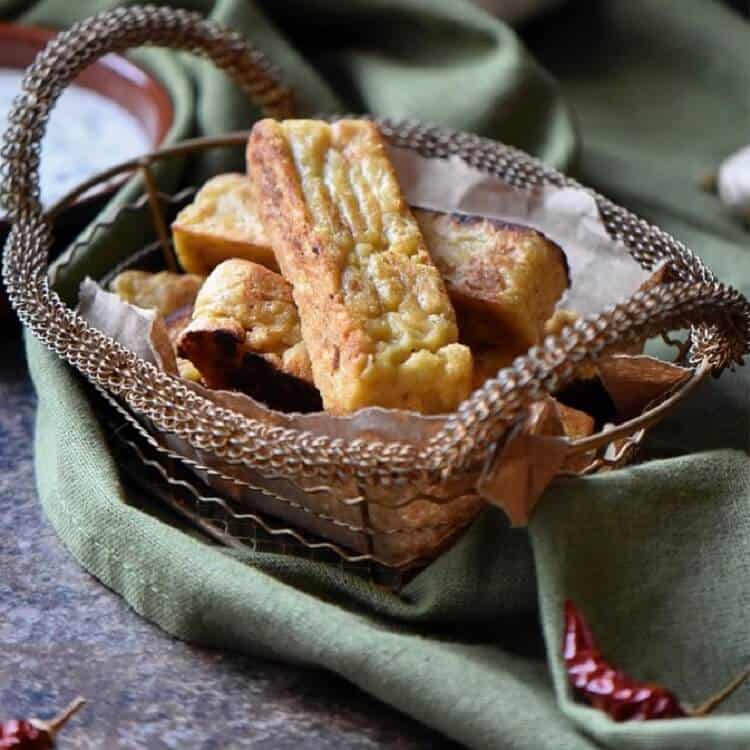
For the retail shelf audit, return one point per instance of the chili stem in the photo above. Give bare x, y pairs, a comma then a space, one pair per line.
54, 726
710, 703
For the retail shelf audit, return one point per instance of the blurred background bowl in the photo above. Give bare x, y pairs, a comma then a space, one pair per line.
117, 79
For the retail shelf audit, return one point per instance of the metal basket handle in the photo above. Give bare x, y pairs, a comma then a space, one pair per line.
116, 31
719, 315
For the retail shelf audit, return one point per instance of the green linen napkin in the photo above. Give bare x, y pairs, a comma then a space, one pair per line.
657, 555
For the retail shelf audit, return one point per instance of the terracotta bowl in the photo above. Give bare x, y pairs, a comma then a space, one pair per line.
114, 77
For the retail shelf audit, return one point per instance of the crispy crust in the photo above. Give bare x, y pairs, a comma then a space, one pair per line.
244, 334
376, 318
504, 279
221, 223
176, 323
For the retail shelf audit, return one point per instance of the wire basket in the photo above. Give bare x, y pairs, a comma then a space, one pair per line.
317, 481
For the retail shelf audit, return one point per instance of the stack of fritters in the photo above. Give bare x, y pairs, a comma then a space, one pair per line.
325, 288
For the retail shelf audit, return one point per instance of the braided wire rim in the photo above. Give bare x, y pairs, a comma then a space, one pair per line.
718, 315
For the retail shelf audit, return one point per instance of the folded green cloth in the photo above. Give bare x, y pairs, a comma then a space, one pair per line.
657, 555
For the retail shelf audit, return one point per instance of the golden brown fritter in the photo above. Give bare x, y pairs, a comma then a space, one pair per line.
488, 265
176, 323
221, 223
503, 279
375, 315
245, 334
163, 291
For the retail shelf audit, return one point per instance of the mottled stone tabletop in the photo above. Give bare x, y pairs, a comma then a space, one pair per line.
62, 634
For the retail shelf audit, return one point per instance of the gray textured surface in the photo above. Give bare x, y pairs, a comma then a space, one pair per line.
63, 634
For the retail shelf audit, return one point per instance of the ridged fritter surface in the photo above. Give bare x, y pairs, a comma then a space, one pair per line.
376, 318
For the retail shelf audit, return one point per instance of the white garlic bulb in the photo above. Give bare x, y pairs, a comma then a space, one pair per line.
733, 182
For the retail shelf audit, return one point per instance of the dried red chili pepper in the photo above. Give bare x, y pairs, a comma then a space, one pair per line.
33, 734
606, 688
616, 693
